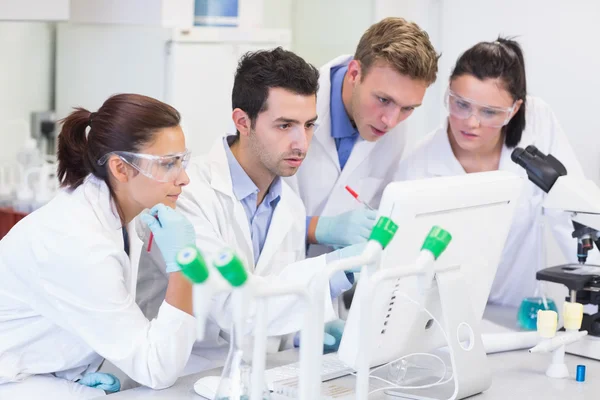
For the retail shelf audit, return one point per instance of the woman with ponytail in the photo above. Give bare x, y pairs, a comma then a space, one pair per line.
67, 286
489, 114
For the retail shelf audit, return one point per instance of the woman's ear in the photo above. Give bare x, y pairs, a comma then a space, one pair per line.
517, 107
118, 169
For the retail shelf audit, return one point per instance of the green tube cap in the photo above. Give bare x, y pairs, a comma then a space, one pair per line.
384, 231
436, 241
192, 264
231, 267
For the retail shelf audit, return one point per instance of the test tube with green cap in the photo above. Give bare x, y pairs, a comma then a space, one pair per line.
436, 241
192, 264
384, 231
193, 267
231, 267
434, 245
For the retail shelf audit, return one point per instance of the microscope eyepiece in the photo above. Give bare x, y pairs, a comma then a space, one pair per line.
543, 170
516, 155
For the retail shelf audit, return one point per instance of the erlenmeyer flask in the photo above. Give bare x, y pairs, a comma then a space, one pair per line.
236, 379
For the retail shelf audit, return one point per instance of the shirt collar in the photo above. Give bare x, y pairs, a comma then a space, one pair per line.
243, 186
240, 181
341, 126
274, 194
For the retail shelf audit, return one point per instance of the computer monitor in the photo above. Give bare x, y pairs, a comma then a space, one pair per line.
477, 210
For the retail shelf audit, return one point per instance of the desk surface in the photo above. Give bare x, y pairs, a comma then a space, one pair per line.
516, 375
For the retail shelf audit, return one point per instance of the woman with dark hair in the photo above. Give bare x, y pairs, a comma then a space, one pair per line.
489, 114
67, 287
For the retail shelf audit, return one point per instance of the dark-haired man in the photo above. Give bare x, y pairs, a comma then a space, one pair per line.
236, 197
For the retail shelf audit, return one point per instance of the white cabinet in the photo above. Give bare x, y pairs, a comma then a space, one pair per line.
34, 10
191, 69
166, 13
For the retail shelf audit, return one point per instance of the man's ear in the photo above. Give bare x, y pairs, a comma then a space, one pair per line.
354, 71
242, 122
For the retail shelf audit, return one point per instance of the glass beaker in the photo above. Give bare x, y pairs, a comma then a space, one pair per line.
236, 379
527, 314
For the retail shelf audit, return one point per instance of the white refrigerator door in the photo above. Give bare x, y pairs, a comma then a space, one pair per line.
200, 77
199, 83
94, 62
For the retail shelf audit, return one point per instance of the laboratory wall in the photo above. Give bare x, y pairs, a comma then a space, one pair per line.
26, 71
322, 30
277, 14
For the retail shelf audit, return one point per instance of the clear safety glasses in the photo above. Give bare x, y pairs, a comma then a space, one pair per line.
463, 108
160, 168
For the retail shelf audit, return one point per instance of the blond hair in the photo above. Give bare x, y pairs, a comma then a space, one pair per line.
401, 44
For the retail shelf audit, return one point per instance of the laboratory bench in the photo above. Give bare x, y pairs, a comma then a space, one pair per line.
515, 374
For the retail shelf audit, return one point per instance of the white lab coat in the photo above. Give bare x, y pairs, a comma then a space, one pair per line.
67, 293
524, 251
370, 167
220, 221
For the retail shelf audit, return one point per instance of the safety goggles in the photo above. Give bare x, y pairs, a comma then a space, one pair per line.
463, 108
160, 168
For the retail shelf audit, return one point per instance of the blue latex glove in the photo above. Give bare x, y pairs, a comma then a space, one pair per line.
346, 229
333, 335
172, 232
347, 252
99, 380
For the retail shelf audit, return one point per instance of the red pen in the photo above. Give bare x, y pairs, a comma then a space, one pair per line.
151, 238
150, 242
355, 195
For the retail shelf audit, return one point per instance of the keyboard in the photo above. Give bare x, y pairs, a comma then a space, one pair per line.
332, 368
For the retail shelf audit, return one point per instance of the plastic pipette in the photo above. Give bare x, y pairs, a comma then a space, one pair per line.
355, 195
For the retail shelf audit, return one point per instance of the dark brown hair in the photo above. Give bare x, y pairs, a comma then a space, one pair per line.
259, 71
125, 122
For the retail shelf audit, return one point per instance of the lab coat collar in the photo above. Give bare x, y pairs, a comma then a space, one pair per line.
360, 152
219, 169
341, 125
282, 216
240, 181
323, 131
507, 164
220, 181
443, 162
97, 193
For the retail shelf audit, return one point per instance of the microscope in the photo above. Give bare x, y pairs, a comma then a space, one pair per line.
579, 198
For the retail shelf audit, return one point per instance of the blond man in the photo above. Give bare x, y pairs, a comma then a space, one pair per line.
358, 141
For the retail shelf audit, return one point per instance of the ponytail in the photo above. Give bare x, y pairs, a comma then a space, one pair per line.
518, 88
73, 164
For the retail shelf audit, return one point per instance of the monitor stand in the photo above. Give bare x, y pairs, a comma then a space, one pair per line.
468, 360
